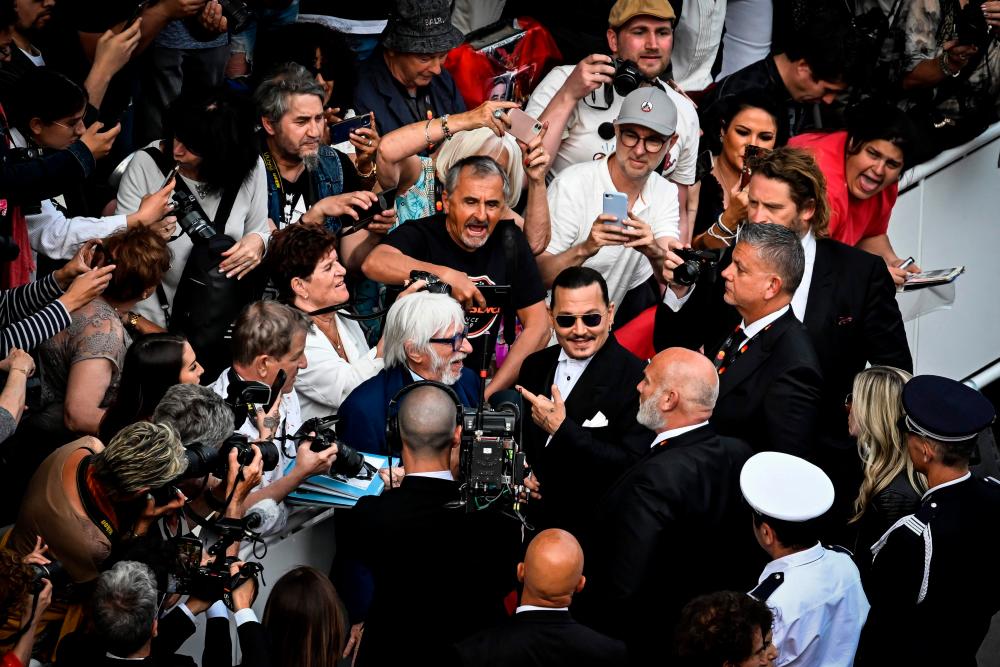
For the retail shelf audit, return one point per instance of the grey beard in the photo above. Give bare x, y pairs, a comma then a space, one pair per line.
311, 161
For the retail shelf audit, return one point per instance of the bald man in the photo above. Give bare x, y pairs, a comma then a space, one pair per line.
671, 527
440, 573
542, 632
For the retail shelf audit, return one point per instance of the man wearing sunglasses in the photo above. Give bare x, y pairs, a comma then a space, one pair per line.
583, 400
628, 253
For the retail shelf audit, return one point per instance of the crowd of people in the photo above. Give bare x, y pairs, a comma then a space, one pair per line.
665, 249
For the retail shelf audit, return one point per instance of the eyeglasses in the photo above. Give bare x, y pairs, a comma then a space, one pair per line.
652, 143
71, 126
455, 341
589, 320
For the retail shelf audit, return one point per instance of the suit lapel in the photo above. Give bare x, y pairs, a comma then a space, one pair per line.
757, 353
590, 389
818, 303
390, 94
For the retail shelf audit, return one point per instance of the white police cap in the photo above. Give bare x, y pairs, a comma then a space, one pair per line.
785, 487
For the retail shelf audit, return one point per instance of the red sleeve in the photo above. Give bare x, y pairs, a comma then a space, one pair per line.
10, 660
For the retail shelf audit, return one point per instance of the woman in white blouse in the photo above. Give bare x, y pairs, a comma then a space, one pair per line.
302, 262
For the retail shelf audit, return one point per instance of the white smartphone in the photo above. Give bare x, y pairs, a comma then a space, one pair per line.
616, 204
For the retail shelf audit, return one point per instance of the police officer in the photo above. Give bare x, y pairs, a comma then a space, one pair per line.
815, 591
933, 583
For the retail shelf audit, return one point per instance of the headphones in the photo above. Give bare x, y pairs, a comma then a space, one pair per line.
393, 440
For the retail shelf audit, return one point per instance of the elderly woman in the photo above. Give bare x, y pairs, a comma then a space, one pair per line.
302, 261
80, 367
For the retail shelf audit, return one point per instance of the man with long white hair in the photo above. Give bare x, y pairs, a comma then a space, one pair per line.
670, 528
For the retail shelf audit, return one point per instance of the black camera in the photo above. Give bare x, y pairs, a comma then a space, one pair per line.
434, 284
971, 25
491, 464
238, 15
20, 155
349, 461
203, 460
627, 77
53, 571
189, 217
212, 581
695, 261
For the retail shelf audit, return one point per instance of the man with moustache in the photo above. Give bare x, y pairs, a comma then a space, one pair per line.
671, 528
583, 405
469, 246
425, 339
308, 182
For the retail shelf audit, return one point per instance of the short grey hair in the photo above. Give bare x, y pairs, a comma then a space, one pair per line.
267, 327
140, 456
273, 93
481, 166
125, 604
196, 413
427, 419
415, 319
778, 247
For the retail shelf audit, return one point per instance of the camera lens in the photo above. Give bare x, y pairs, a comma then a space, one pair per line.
687, 273
627, 77
349, 461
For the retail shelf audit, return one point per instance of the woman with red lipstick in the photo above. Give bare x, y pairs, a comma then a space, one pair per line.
862, 166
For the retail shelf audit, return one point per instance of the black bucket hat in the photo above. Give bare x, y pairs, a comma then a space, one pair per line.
421, 26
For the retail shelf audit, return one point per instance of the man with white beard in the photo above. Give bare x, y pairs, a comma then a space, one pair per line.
671, 528
425, 339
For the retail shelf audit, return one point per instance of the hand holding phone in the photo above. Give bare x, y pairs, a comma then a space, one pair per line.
616, 204
341, 132
523, 126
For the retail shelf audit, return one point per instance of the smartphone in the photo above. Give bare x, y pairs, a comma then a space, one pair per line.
616, 204
341, 132
170, 176
275, 390
523, 126
136, 14
187, 560
385, 201
751, 154
98, 256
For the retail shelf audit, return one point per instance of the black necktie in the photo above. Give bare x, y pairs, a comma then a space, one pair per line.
729, 350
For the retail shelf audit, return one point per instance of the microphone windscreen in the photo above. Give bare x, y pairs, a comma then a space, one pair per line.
606, 131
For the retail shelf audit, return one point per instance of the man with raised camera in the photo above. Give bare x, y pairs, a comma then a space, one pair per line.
845, 299
770, 379
469, 247
583, 399
425, 338
669, 528
628, 250
440, 569
581, 102
269, 340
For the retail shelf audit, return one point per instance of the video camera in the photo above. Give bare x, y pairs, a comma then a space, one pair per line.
213, 580
695, 261
491, 463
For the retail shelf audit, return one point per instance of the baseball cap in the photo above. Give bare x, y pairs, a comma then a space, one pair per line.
651, 108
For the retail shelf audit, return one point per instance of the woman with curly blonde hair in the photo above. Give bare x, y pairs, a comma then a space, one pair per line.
890, 488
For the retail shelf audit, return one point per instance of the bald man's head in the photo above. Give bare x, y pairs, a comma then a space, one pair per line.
427, 420
552, 569
679, 388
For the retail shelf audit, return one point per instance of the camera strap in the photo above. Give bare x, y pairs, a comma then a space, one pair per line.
509, 246
94, 512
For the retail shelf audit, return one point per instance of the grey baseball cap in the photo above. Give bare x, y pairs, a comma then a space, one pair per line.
651, 108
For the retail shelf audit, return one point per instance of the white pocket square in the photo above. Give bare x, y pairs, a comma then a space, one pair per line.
597, 421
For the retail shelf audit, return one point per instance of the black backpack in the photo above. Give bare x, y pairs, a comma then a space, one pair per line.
206, 302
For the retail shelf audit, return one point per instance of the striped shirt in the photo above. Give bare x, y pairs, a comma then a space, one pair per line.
31, 314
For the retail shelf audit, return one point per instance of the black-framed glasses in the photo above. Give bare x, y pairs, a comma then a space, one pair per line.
589, 320
455, 341
652, 143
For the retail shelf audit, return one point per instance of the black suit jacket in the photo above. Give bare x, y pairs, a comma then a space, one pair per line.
440, 573
670, 528
540, 639
579, 464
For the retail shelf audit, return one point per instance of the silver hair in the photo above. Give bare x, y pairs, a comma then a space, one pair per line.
140, 456
480, 166
778, 247
196, 413
124, 607
273, 93
416, 319
267, 327
482, 141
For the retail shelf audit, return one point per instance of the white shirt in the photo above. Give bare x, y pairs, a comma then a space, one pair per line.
751, 330
819, 609
696, 42
568, 371
748, 34
289, 422
675, 433
576, 198
531, 607
434, 474
328, 379
582, 143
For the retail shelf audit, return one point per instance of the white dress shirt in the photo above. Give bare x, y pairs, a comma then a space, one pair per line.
674, 433
751, 330
531, 607
696, 42
568, 371
434, 474
820, 608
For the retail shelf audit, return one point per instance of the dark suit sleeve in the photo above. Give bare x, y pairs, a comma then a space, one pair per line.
693, 324
172, 631
885, 337
357, 427
587, 443
253, 645
791, 410
218, 651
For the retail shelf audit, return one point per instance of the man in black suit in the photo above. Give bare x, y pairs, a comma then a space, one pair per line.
585, 435
770, 380
670, 528
542, 632
440, 571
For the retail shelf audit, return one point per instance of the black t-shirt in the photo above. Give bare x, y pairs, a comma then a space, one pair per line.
301, 196
427, 240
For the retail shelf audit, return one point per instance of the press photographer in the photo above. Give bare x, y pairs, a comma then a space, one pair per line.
25, 595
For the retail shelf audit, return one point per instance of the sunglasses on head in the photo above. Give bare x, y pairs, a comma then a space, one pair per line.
589, 320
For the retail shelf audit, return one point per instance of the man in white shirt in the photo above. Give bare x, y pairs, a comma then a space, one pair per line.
696, 42
580, 102
626, 254
815, 592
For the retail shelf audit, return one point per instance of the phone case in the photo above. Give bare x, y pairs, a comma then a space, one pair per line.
341, 131
616, 204
523, 126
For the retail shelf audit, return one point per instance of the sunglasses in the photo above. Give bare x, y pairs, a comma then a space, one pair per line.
589, 320
455, 341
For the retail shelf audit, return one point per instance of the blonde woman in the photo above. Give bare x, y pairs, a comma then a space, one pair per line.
891, 488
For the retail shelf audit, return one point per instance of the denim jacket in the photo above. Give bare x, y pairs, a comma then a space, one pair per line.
328, 180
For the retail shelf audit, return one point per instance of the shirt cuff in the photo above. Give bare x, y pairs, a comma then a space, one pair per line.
244, 616
218, 610
187, 612
675, 302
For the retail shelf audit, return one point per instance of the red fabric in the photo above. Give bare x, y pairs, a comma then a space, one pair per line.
509, 603
10, 660
637, 335
18, 272
473, 70
850, 219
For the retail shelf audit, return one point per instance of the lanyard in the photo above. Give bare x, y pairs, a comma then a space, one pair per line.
726, 358
272, 171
